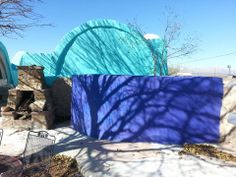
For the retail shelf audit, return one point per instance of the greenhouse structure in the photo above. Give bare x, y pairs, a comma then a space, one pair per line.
96, 47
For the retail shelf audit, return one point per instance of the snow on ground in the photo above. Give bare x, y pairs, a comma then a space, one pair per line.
103, 158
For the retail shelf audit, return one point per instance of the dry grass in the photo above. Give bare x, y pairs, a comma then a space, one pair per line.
208, 151
60, 166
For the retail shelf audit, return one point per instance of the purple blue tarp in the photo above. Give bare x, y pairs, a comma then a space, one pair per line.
167, 110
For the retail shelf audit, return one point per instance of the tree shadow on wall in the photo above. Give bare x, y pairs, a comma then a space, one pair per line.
166, 110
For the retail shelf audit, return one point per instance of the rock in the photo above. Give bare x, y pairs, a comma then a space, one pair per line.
38, 105
228, 130
13, 98
6, 109
30, 78
42, 94
23, 117
42, 120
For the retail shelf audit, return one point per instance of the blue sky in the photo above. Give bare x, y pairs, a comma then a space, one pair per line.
213, 22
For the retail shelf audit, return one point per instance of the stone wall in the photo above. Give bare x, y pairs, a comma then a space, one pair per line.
30, 78
29, 105
61, 95
227, 130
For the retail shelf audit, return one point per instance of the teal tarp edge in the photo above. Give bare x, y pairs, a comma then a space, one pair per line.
6, 63
54, 62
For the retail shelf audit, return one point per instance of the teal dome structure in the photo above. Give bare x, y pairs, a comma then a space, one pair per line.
5, 66
100, 47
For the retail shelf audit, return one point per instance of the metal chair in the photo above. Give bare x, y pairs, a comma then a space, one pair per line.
1, 135
39, 148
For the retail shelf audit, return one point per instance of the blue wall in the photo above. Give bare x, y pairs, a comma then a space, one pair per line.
168, 110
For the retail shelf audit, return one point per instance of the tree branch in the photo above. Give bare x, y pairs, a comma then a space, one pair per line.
18, 15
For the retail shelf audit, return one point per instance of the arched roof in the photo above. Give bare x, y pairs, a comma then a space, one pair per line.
99, 47
5, 64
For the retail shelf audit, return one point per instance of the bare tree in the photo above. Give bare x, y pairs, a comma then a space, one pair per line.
175, 45
17, 15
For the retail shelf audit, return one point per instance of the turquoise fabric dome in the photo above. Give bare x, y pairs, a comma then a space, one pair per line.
100, 47
5, 66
